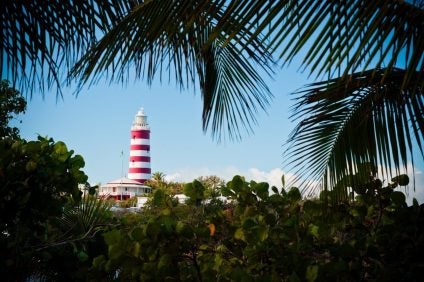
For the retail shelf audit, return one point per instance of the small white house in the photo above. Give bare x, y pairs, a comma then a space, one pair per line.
181, 198
142, 200
123, 189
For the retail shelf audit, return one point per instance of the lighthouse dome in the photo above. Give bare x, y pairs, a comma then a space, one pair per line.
140, 119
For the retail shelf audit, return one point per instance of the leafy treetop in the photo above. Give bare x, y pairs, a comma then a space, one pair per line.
11, 103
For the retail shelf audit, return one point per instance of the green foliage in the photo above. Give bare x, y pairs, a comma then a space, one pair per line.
361, 183
212, 184
261, 236
11, 103
195, 191
158, 182
37, 178
401, 180
73, 240
131, 202
80, 218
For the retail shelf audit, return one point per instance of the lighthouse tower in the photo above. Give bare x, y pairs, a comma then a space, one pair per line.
139, 167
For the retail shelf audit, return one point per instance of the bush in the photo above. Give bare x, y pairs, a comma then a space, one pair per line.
37, 178
264, 236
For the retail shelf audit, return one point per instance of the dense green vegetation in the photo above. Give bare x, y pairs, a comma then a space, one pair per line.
36, 180
260, 233
262, 236
44, 223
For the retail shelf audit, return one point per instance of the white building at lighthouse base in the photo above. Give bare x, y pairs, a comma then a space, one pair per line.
123, 189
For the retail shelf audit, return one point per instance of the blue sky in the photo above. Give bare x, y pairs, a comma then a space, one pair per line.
96, 124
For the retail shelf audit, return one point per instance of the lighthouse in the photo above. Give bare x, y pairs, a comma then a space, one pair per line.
139, 166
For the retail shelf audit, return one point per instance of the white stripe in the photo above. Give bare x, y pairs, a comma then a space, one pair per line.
140, 127
140, 153
140, 142
140, 164
139, 175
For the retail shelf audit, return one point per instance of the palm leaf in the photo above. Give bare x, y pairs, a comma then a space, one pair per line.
346, 122
343, 40
81, 220
338, 38
180, 38
40, 40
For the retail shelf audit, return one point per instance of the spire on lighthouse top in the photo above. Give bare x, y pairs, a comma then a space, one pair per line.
140, 120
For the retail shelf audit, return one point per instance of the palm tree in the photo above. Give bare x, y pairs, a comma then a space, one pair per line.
158, 176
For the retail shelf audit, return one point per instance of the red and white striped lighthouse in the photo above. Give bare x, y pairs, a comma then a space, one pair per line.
139, 168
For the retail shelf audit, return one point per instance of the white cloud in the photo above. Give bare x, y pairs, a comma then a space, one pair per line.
188, 174
273, 176
172, 177
413, 190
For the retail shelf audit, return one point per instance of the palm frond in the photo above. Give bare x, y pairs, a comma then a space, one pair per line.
180, 38
80, 220
338, 38
346, 122
40, 40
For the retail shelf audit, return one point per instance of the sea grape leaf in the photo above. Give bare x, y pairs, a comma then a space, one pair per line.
99, 261
112, 237
294, 194
61, 151
262, 233
239, 234
136, 250
398, 198
164, 261
262, 190
311, 273
236, 184
78, 161
313, 230
402, 179
137, 234
152, 229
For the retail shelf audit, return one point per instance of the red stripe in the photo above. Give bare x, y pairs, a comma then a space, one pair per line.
139, 170
139, 159
140, 147
143, 134
141, 180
